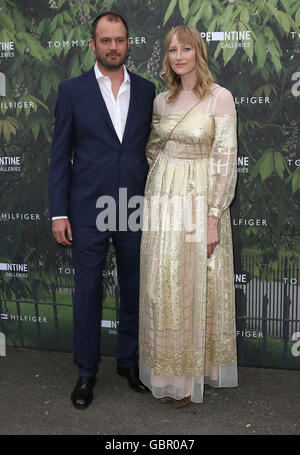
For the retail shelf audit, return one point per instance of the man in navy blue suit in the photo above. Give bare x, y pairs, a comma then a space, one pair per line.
103, 120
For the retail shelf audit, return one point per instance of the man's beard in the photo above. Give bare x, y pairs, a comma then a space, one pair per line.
111, 65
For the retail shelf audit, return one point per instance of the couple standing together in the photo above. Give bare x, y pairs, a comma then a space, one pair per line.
177, 317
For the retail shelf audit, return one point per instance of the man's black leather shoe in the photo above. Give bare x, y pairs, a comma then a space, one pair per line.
82, 395
132, 375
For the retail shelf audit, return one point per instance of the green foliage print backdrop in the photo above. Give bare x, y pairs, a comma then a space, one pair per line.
254, 49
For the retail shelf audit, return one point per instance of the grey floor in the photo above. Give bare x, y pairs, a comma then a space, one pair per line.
35, 389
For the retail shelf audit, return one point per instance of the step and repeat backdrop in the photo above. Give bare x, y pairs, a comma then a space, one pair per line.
254, 49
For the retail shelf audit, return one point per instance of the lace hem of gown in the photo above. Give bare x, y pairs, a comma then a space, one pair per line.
178, 387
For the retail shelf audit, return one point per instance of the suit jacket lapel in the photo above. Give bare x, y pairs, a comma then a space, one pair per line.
131, 107
97, 97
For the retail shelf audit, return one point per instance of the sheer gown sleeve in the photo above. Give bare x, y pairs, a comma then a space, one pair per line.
154, 144
222, 172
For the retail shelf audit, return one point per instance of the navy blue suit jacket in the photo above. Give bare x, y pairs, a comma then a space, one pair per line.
84, 135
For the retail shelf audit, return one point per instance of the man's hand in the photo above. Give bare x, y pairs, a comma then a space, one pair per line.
62, 231
212, 235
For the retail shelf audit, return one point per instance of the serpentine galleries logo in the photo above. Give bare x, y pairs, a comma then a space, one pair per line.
112, 326
230, 39
7, 49
10, 164
243, 164
14, 270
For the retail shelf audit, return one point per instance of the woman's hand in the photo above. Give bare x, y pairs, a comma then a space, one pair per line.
212, 234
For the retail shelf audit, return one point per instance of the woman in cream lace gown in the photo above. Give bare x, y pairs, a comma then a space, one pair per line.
187, 308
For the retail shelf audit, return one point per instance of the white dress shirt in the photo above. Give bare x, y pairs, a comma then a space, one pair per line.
117, 107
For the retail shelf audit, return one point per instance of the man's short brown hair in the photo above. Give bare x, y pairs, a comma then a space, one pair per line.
113, 17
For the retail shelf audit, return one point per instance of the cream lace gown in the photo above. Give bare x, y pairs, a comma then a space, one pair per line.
187, 309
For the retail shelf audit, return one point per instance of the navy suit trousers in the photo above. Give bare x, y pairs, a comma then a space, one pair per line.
89, 250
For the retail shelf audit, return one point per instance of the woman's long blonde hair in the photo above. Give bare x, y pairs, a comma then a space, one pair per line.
191, 36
